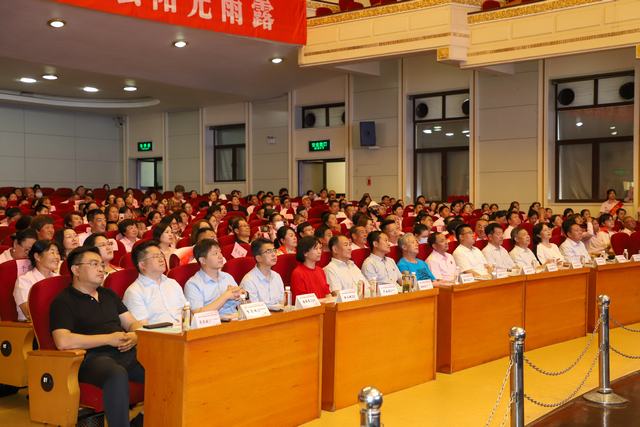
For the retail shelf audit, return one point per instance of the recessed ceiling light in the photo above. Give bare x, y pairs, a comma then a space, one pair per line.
612, 127
28, 80
56, 23
579, 124
276, 60
130, 88
465, 131
180, 43
614, 133
449, 134
468, 136
90, 89
50, 77
427, 131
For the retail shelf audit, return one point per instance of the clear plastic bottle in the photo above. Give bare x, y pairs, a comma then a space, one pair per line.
360, 289
406, 281
373, 288
456, 279
626, 255
287, 299
414, 282
243, 300
186, 316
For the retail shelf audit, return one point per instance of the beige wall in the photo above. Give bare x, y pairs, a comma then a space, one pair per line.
269, 162
183, 150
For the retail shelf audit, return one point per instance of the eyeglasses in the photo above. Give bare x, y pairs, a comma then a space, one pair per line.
269, 251
27, 250
93, 264
156, 256
468, 232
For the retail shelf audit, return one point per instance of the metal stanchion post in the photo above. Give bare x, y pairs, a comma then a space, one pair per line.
516, 338
603, 394
370, 399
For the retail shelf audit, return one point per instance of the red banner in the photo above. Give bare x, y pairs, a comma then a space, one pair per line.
278, 20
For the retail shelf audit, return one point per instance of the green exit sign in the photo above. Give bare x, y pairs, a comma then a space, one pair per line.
145, 146
324, 145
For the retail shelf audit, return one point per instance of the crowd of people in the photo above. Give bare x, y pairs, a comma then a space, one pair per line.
195, 228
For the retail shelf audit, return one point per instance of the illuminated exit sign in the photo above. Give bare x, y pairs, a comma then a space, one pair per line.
324, 145
145, 146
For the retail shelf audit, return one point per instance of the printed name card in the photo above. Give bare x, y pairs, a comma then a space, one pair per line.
635, 257
424, 285
527, 270
551, 267
620, 259
238, 251
206, 319
467, 278
347, 295
306, 301
255, 310
384, 290
601, 261
501, 273
576, 264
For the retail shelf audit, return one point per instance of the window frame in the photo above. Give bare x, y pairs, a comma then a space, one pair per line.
443, 150
326, 113
594, 142
234, 154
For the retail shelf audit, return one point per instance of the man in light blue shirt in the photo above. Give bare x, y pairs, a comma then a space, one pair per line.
211, 289
153, 297
262, 283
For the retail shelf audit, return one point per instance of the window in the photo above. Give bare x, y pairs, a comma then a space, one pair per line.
229, 146
594, 137
441, 151
319, 116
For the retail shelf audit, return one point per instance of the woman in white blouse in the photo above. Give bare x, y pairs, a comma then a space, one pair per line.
45, 258
609, 203
22, 242
545, 251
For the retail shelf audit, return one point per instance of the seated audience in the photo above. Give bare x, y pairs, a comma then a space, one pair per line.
495, 254
241, 230
98, 222
521, 254
43, 224
323, 234
105, 246
573, 249
129, 231
262, 283
308, 278
45, 259
378, 266
440, 262
468, 257
341, 272
481, 225
163, 236
286, 240
601, 242
358, 237
390, 228
544, 250
409, 248
87, 316
513, 219
21, 243
628, 225
67, 240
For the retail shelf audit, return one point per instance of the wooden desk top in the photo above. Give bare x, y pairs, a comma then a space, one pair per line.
390, 299
613, 266
234, 326
559, 273
479, 284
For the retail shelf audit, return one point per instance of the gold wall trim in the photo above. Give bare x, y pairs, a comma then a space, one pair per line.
315, 5
556, 42
525, 9
381, 44
370, 12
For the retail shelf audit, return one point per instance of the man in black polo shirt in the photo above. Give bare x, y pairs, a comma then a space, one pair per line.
87, 316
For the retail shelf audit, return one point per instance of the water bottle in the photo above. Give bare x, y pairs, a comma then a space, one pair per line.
373, 288
360, 289
626, 255
414, 282
186, 316
287, 299
406, 281
456, 278
243, 300
494, 272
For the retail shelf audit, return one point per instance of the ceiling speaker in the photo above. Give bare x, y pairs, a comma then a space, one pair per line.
310, 120
566, 96
465, 107
422, 110
626, 90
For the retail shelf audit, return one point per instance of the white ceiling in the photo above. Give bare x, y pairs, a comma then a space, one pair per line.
106, 51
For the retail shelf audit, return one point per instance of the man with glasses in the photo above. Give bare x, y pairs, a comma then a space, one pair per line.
241, 230
262, 283
629, 225
88, 316
153, 297
211, 289
467, 257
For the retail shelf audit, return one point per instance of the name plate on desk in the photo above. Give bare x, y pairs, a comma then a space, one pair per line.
206, 319
620, 259
550, 268
635, 257
466, 278
346, 295
306, 301
424, 285
256, 310
527, 270
576, 264
601, 261
501, 273
384, 290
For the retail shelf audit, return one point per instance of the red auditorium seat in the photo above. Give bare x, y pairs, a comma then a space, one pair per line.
359, 255
50, 407
622, 241
490, 4
239, 267
394, 254
354, 5
558, 240
121, 280
344, 4
325, 260
323, 11
183, 273
227, 240
424, 250
285, 266
635, 238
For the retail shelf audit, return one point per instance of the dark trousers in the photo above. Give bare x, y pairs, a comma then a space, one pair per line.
112, 372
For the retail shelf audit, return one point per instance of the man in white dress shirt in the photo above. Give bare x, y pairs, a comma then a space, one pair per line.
358, 237
468, 257
153, 297
341, 272
513, 219
629, 225
496, 255
521, 254
440, 262
573, 248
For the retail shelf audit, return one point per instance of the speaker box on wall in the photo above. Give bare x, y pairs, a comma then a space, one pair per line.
367, 134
